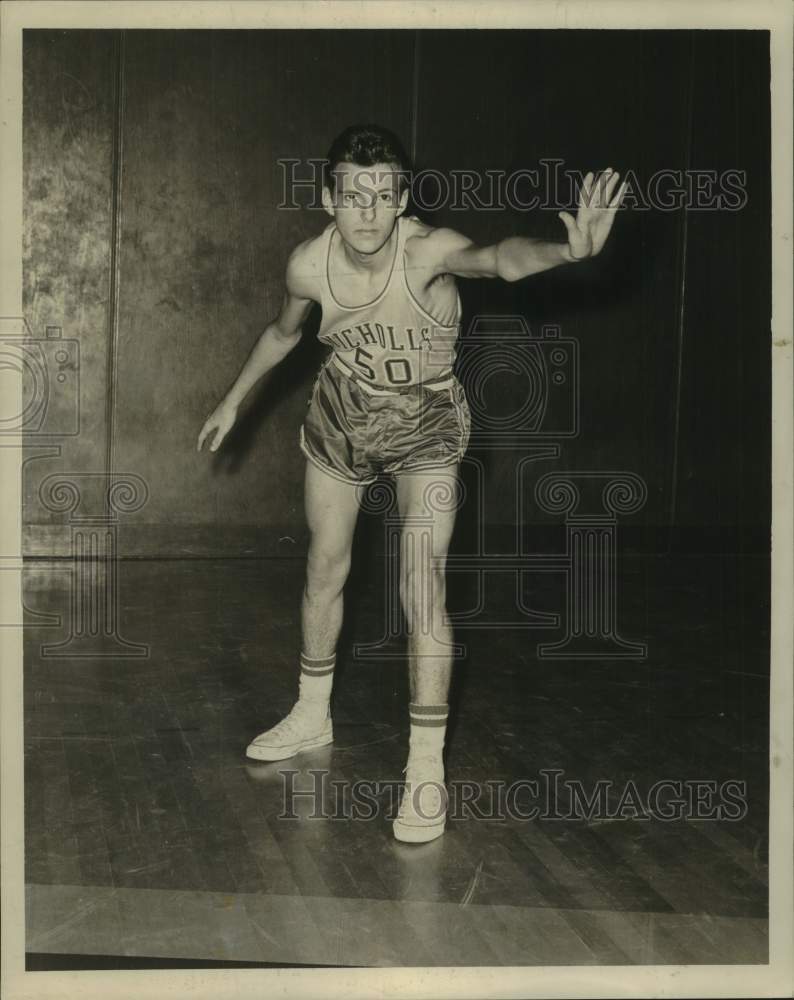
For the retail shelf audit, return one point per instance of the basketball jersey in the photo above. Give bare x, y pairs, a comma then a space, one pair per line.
392, 340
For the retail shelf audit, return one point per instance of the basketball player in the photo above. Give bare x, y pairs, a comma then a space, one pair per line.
386, 401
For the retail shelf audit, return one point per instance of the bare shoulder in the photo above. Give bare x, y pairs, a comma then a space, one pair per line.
304, 268
429, 246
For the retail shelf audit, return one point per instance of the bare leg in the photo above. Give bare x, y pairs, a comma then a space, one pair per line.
331, 512
427, 503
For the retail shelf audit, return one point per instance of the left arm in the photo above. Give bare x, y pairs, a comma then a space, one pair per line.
518, 256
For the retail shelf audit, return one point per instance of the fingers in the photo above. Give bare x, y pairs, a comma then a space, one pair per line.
586, 192
600, 193
606, 183
613, 205
206, 430
606, 224
602, 229
610, 184
603, 187
597, 191
600, 198
570, 222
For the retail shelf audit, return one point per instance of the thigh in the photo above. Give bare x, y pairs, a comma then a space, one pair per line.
331, 510
428, 502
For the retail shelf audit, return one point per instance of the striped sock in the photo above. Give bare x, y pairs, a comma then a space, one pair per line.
428, 729
316, 681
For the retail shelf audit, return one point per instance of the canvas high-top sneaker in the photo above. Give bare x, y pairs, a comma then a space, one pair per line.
423, 809
304, 728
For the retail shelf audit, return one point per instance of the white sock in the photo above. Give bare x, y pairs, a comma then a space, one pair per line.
428, 730
316, 681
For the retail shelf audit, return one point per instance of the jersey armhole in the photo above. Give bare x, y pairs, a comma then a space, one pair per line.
312, 249
413, 297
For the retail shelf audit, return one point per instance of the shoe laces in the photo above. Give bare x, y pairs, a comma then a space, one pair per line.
423, 762
419, 769
292, 722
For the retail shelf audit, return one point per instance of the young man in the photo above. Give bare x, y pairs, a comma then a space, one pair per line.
387, 401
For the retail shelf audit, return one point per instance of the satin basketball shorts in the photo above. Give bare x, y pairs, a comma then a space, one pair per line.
356, 436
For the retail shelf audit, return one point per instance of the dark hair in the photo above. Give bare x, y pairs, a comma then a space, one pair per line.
366, 145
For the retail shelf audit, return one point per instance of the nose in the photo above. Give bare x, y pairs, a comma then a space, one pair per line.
368, 211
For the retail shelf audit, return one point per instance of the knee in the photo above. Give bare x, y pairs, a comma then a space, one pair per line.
423, 591
326, 571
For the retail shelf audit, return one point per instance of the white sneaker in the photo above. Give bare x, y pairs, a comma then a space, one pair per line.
423, 810
300, 730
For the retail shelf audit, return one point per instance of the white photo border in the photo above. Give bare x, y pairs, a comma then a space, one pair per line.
558, 981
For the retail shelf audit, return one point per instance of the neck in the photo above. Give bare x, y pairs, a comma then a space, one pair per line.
372, 262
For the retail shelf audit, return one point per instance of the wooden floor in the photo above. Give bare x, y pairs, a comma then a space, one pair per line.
149, 834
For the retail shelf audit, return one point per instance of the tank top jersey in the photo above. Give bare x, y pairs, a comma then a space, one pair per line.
392, 340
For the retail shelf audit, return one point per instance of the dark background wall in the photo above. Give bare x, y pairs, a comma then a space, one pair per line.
153, 236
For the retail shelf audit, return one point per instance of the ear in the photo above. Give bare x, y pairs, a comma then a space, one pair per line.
328, 201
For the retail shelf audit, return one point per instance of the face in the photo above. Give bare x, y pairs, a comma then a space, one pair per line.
365, 204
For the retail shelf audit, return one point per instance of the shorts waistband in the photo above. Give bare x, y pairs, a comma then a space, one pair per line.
442, 382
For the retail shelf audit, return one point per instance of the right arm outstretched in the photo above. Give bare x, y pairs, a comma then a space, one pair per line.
276, 341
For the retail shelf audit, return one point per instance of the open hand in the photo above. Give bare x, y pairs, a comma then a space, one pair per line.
598, 202
221, 420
